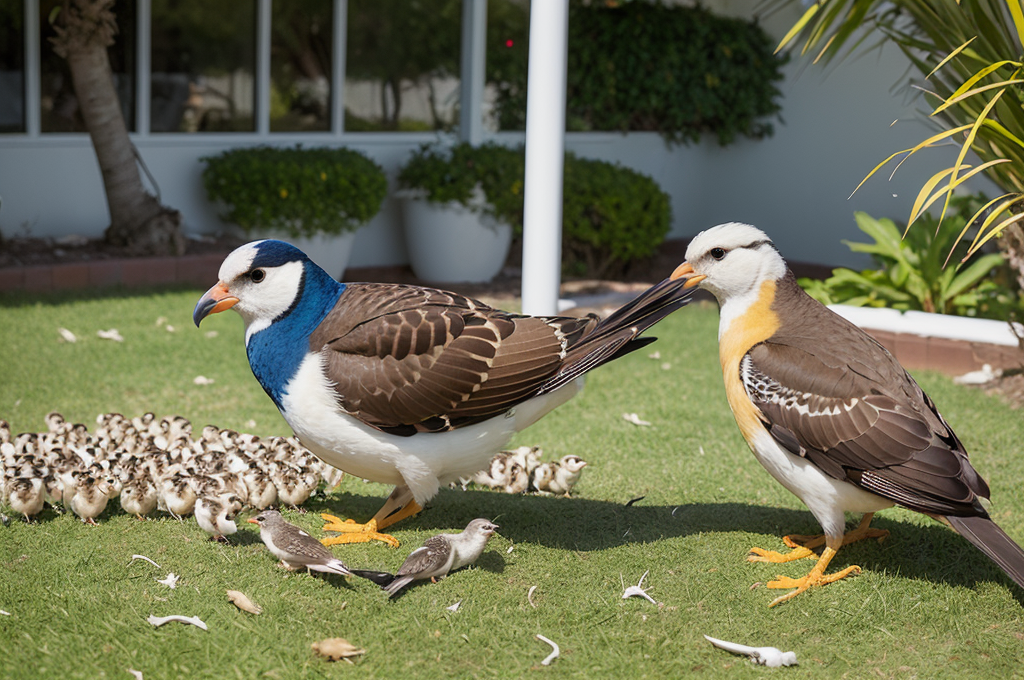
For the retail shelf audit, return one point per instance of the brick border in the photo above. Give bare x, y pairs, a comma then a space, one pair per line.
198, 270
953, 357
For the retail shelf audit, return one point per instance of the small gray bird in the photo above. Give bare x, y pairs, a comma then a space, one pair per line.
294, 547
436, 557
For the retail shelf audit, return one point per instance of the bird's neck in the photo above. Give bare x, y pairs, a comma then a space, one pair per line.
276, 351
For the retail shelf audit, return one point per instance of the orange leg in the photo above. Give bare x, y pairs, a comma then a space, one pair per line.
801, 549
803, 546
816, 577
398, 506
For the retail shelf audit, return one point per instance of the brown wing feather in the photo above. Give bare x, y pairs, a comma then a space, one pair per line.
424, 360
848, 406
436, 554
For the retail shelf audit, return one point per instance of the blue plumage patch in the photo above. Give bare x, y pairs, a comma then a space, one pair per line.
273, 253
276, 352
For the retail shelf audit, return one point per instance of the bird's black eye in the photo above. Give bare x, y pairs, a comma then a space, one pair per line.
257, 275
718, 253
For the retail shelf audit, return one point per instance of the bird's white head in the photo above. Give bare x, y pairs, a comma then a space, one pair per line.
731, 260
260, 280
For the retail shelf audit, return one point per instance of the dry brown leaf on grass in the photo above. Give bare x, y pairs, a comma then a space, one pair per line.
335, 649
240, 600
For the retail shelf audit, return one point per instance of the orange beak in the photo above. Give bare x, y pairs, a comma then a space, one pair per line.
252, 520
217, 299
686, 269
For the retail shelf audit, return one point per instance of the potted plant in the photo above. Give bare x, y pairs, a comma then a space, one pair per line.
315, 198
460, 207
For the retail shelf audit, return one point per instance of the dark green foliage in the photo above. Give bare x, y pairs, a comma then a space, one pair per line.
611, 215
912, 272
298, 191
680, 71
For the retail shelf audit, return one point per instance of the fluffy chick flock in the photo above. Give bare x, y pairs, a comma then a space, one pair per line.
155, 464
151, 463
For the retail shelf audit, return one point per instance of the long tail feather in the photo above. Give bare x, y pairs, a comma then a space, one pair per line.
993, 541
619, 334
381, 578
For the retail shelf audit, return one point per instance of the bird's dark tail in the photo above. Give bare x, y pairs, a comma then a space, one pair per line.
993, 541
618, 334
381, 578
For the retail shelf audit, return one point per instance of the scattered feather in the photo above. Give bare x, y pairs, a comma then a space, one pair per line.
529, 596
772, 657
638, 590
635, 419
67, 335
143, 557
202, 380
980, 377
454, 607
666, 366
137, 674
191, 620
4, 613
171, 581
654, 355
509, 551
244, 603
160, 321
554, 650
169, 328
336, 649
111, 334
211, 334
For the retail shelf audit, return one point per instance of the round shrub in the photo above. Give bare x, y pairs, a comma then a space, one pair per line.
296, 191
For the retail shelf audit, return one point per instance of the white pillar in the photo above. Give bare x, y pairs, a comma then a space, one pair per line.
340, 44
545, 156
472, 71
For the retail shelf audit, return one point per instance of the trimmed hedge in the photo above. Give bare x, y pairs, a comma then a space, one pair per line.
296, 191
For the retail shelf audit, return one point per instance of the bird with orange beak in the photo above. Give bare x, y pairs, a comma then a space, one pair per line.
409, 386
830, 413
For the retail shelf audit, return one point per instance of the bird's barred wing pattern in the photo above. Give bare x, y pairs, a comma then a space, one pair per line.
893, 444
423, 360
297, 542
435, 552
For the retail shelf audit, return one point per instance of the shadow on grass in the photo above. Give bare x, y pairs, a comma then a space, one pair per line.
930, 552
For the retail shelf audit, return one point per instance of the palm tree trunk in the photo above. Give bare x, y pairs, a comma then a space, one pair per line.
137, 219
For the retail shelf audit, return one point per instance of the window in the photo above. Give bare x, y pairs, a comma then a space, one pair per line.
508, 48
300, 65
58, 103
402, 65
203, 66
12, 67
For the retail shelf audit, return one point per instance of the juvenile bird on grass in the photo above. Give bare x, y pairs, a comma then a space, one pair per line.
404, 385
830, 413
438, 556
294, 547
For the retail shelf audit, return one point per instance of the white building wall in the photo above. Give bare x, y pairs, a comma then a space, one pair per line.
838, 125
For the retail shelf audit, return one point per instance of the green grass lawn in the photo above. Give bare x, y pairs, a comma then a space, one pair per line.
927, 604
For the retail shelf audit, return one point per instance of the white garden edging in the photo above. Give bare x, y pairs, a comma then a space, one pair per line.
930, 325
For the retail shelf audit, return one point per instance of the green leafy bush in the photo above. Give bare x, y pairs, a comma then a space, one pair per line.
913, 273
611, 215
296, 191
679, 71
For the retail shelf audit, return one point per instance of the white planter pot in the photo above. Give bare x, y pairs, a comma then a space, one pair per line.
449, 243
330, 251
